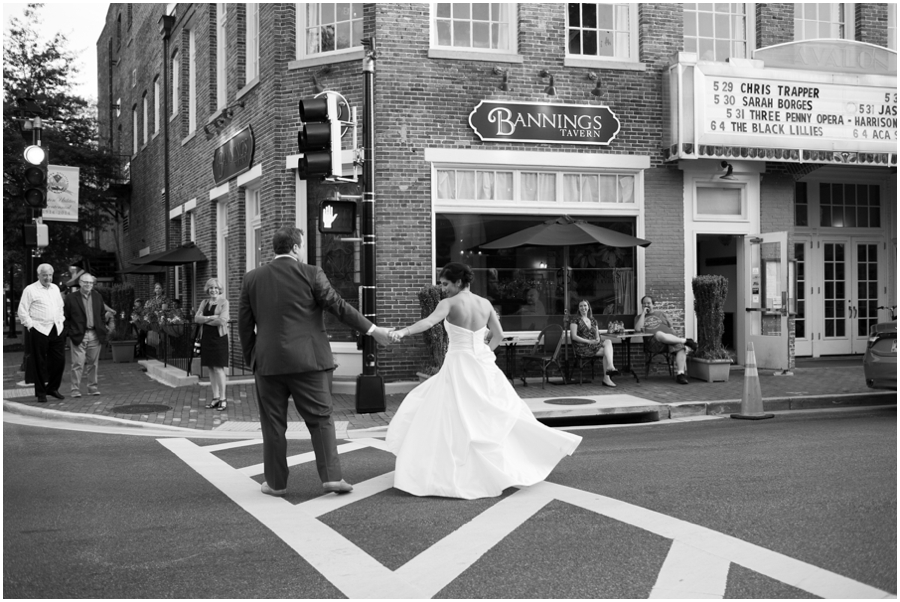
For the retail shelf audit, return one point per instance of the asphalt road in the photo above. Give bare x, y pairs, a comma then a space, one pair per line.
635, 510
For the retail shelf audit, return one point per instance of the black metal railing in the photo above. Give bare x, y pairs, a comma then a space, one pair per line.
236, 365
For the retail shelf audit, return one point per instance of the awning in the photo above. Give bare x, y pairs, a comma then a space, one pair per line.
143, 269
186, 253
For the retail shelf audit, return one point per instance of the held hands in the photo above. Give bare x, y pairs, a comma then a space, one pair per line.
382, 335
397, 335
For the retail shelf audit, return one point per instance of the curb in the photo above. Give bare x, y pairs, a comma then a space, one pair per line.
687, 409
14, 407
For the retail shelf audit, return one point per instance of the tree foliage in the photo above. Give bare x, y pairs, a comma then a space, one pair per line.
43, 69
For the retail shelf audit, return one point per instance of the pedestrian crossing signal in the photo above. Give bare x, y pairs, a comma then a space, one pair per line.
337, 217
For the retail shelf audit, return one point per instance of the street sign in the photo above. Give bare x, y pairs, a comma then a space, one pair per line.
337, 217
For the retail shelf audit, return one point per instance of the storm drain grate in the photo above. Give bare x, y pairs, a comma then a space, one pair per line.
570, 401
141, 408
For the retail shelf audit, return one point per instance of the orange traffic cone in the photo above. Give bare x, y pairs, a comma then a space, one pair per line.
751, 400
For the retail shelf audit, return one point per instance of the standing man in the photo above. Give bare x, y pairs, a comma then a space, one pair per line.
41, 313
657, 323
283, 337
86, 328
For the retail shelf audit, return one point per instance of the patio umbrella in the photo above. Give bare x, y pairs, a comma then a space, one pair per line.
564, 231
143, 269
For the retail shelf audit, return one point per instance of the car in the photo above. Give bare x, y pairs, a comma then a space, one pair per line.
880, 361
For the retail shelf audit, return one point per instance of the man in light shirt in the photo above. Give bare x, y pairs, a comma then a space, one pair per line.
41, 313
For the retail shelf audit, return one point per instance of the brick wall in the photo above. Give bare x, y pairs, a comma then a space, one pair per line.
871, 19
774, 23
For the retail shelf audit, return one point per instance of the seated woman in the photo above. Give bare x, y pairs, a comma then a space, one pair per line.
588, 342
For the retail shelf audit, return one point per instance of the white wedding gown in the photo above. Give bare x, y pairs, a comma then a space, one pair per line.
465, 433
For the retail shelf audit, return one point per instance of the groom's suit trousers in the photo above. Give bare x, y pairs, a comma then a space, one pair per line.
312, 398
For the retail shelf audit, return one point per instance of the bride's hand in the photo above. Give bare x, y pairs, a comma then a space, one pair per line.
396, 336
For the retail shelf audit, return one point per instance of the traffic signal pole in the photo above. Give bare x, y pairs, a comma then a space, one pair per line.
369, 385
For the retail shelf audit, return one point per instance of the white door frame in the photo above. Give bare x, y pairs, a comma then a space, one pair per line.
766, 299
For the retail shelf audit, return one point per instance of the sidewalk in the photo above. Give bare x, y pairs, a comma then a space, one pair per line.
130, 396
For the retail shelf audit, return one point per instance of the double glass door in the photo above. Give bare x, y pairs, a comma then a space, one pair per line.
843, 282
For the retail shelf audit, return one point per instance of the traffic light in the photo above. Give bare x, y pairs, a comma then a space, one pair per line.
337, 217
35, 192
320, 137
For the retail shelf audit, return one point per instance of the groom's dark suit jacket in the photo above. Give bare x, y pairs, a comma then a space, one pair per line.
284, 300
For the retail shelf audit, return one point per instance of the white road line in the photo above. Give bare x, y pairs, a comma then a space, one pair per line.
435, 568
346, 566
232, 445
696, 566
689, 573
303, 458
329, 503
791, 571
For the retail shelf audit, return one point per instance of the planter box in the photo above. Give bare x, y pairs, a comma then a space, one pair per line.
709, 370
122, 351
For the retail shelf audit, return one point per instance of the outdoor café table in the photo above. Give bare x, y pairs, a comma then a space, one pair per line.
509, 344
626, 338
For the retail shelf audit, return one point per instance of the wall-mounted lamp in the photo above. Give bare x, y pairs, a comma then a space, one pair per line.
114, 106
550, 90
210, 131
504, 85
598, 90
728, 170
215, 127
317, 87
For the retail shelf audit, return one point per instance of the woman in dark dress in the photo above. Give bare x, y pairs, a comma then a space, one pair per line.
588, 342
213, 315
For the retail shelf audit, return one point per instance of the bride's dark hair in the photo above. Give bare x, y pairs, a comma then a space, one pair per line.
458, 271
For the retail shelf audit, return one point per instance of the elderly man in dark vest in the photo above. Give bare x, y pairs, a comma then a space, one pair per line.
86, 329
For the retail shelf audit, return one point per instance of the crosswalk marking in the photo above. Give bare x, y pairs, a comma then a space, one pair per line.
690, 573
358, 575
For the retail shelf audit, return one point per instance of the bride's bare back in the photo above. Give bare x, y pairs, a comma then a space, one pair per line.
469, 311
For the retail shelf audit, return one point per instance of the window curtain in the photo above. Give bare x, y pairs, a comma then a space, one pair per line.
539, 187
624, 282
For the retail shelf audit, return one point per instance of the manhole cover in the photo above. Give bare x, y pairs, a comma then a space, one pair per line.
141, 408
570, 401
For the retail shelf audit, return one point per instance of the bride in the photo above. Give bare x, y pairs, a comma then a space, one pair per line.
465, 433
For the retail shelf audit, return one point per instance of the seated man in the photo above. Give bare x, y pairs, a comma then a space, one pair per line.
657, 323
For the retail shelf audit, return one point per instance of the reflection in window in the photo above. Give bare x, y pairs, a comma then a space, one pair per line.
473, 25
849, 206
600, 29
816, 20
526, 284
716, 32
333, 26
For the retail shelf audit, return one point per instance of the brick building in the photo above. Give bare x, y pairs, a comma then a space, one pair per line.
759, 143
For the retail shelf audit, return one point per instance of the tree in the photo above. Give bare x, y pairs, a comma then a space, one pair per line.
43, 70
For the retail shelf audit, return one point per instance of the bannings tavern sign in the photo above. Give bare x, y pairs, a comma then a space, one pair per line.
541, 122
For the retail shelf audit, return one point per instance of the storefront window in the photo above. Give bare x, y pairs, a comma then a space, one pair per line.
543, 187
849, 206
526, 284
716, 32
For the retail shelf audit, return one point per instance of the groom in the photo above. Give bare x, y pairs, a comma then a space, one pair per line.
283, 338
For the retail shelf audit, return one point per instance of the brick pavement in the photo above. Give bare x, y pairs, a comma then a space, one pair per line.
128, 384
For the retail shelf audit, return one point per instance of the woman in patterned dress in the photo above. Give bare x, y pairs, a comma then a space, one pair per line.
588, 342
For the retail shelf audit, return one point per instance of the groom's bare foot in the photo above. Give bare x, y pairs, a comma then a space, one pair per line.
338, 487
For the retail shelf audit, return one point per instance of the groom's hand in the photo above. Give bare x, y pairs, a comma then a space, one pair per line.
381, 335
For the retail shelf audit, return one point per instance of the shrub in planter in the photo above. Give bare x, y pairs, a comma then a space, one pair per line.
436, 337
710, 293
122, 297
711, 362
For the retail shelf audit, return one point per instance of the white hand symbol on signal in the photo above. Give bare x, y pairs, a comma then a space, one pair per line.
329, 216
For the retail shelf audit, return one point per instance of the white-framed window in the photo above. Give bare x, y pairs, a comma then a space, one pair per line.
717, 32
133, 78
816, 20
602, 30
222, 241
254, 228
252, 42
533, 186
720, 203
191, 225
892, 26
328, 28
156, 101
221, 64
176, 82
118, 107
134, 130
474, 26
146, 107
192, 81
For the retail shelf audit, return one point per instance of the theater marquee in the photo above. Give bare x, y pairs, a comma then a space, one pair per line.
544, 123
